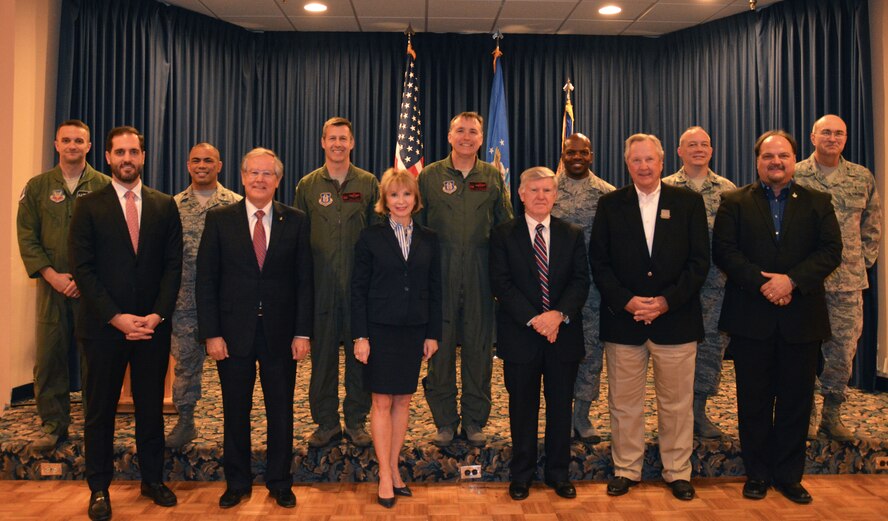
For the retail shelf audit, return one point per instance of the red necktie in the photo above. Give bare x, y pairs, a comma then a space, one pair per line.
132, 218
542, 261
259, 244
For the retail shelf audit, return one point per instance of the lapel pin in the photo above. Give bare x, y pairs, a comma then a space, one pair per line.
664, 213
794, 195
280, 218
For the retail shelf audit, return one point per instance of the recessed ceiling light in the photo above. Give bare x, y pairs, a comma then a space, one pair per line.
610, 9
315, 7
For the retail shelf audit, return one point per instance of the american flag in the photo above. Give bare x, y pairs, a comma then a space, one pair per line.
409, 150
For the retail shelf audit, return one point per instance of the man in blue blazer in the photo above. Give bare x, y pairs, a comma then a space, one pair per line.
125, 247
539, 276
649, 252
254, 304
777, 242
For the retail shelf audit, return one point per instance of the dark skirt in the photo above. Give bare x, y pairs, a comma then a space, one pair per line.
395, 358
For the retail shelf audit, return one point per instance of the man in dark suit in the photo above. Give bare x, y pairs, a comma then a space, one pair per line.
776, 241
254, 303
539, 276
649, 252
125, 246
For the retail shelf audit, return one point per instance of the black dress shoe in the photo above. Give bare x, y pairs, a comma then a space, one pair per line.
284, 497
619, 486
233, 496
682, 489
795, 492
387, 502
563, 488
99, 506
159, 493
755, 489
403, 491
519, 490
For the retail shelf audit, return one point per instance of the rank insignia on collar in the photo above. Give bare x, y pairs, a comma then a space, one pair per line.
57, 195
326, 199
449, 187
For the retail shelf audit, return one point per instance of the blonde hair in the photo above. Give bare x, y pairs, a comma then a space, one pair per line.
403, 178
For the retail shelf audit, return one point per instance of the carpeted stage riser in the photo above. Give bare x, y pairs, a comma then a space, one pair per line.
346, 463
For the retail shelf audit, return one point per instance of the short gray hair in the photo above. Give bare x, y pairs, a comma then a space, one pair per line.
533, 173
259, 151
635, 138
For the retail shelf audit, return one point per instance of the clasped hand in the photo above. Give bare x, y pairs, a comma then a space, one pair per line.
778, 289
135, 327
646, 309
547, 324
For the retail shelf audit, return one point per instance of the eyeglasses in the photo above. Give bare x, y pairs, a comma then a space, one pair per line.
264, 174
838, 134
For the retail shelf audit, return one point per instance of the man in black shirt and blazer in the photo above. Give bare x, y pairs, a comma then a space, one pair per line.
649, 252
776, 241
539, 276
254, 304
125, 246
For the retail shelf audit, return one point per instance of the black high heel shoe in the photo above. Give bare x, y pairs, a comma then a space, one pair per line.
403, 491
387, 502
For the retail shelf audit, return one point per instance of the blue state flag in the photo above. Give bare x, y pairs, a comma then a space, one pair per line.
498, 123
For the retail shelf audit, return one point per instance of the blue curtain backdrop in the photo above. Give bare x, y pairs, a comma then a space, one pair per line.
182, 78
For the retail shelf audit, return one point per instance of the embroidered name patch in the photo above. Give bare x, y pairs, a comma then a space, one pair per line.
478, 187
351, 197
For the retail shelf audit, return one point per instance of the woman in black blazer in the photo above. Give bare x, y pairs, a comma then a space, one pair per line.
396, 308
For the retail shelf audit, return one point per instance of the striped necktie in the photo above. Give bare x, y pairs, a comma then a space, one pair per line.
542, 262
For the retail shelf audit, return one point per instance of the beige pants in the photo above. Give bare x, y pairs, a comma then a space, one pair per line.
674, 383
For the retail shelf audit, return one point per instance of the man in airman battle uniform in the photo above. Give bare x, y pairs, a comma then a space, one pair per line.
858, 209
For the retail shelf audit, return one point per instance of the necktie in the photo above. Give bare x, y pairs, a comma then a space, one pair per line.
259, 244
132, 219
542, 262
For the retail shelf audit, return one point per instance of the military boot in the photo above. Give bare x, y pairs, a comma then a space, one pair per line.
582, 427
831, 421
812, 421
703, 427
184, 431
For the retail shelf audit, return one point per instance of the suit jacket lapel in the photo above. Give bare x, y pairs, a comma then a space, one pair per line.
415, 242
761, 202
278, 223
118, 221
244, 237
632, 220
557, 255
789, 211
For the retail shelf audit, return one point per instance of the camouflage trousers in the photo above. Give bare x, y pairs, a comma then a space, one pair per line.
588, 383
711, 351
189, 354
846, 321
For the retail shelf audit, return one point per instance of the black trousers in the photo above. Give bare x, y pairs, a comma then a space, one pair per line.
775, 385
523, 384
277, 374
106, 362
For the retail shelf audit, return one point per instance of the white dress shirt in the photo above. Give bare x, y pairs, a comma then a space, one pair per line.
121, 193
266, 219
532, 225
647, 204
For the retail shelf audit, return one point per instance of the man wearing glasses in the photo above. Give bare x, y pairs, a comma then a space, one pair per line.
857, 206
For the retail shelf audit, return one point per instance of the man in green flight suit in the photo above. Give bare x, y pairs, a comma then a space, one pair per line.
338, 199
44, 213
463, 199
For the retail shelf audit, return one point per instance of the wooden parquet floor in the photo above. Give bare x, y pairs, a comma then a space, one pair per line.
857, 497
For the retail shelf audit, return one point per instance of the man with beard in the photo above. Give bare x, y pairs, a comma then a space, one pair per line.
776, 242
204, 193
44, 214
125, 246
338, 199
578, 194
857, 206
695, 151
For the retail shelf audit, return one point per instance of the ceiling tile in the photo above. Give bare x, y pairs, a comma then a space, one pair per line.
391, 24
390, 9
486, 9
632, 9
656, 28
340, 8
461, 25
192, 5
227, 8
663, 12
261, 23
529, 26
552, 9
604, 27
